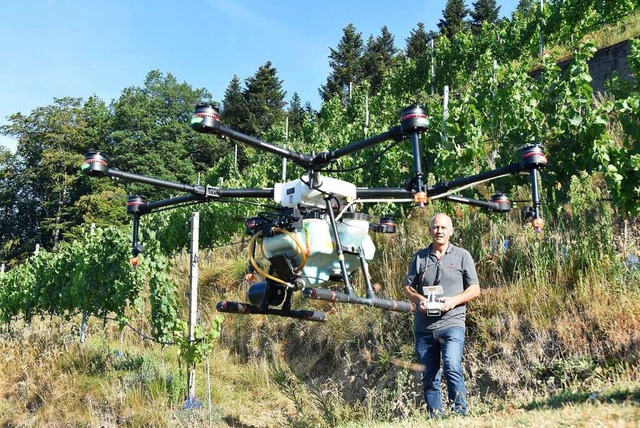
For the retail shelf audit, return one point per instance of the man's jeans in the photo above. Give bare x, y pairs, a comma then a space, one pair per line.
450, 344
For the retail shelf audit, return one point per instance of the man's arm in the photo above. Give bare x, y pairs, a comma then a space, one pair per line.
470, 293
415, 298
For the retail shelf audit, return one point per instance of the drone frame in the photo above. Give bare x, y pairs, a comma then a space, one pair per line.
413, 122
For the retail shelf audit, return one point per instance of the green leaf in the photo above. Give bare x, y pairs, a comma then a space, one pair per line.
576, 120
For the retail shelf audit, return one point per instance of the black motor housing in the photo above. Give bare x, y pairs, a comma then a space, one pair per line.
274, 294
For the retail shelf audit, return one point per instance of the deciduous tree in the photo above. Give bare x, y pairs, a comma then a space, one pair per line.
151, 133
43, 180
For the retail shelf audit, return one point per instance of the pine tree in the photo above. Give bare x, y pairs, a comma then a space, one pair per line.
525, 6
378, 58
264, 99
309, 110
235, 112
346, 64
386, 45
484, 11
454, 13
417, 42
296, 115
372, 67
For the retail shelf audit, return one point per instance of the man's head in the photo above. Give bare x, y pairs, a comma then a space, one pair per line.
440, 229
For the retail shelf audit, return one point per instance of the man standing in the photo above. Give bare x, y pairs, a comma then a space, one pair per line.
440, 280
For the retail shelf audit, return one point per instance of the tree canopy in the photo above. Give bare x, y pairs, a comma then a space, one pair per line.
346, 65
296, 114
234, 106
417, 42
378, 58
453, 17
483, 12
264, 98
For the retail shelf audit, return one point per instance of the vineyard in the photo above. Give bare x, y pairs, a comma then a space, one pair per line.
483, 104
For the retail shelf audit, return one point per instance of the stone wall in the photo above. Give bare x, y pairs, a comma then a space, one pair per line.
607, 61
603, 65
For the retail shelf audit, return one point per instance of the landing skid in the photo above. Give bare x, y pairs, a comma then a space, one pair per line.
318, 294
248, 309
376, 302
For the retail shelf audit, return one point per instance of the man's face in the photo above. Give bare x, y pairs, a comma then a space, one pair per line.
441, 229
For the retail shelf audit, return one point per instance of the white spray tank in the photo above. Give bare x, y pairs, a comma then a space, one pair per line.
315, 238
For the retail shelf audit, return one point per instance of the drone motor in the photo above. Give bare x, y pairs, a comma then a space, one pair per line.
206, 119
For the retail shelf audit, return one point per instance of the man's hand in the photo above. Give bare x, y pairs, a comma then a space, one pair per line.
423, 306
448, 303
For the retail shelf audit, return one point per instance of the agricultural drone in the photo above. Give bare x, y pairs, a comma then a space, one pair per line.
317, 238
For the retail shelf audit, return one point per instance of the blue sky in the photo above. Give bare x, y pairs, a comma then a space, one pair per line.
57, 48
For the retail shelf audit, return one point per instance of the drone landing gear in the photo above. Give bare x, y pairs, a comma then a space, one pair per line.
374, 301
270, 298
245, 308
348, 296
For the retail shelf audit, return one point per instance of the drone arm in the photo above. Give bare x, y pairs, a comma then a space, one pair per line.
532, 159
325, 157
213, 192
136, 246
413, 121
150, 206
115, 173
535, 196
417, 184
444, 186
299, 158
245, 193
383, 192
206, 119
499, 206
95, 165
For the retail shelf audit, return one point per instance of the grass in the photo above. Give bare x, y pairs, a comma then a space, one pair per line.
627, 28
48, 379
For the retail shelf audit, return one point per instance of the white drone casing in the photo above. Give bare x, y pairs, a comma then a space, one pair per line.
297, 192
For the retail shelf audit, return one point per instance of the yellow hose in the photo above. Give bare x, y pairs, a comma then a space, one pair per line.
261, 271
